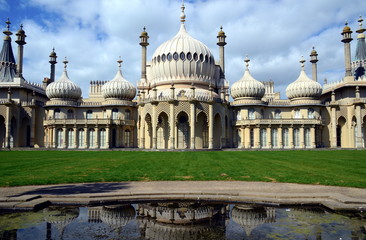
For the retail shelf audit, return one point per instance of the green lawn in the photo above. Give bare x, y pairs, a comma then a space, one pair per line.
338, 167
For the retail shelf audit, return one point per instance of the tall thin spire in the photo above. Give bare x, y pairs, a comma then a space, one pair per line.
8, 70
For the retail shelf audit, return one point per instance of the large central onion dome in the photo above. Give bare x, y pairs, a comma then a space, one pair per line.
247, 86
119, 87
63, 88
303, 87
182, 58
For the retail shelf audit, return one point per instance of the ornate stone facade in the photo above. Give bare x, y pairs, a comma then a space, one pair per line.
183, 102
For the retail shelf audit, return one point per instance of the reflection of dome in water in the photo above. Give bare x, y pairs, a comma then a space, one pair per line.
250, 217
117, 216
60, 216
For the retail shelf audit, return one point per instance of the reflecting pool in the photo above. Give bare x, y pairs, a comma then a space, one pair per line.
183, 220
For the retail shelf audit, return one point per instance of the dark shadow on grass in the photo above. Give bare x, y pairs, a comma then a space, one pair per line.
71, 189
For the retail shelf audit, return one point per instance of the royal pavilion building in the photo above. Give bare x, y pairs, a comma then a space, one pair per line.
183, 101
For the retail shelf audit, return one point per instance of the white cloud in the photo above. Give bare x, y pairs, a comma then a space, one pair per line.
275, 34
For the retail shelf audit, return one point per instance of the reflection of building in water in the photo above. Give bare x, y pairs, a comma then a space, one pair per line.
60, 217
250, 217
183, 221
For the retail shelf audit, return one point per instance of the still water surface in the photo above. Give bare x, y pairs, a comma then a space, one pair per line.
183, 221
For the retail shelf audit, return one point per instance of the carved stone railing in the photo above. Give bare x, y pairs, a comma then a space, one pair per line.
93, 121
281, 121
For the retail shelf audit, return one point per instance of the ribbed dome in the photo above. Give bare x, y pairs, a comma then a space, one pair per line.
182, 58
247, 86
119, 87
304, 87
63, 88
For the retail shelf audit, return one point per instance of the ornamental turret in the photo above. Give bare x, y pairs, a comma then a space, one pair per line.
221, 43
314, 60
7, 60
359, 61
143, 43
21, 42
346, 33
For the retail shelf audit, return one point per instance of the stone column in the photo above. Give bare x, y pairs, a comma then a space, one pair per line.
242, 133
86, 135
223, 134
154, 122
96, 138
122, 136
247, 137
193, 125
333, 142
257, 137
75, 137
302, 137
269, 137
107, 137
210, 126
312, 135
279, 137
54, 137
172, 125
8, 126
33, 127
65, 137
291, 136
359, 127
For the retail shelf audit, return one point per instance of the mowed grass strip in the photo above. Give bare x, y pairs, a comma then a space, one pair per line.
337, 167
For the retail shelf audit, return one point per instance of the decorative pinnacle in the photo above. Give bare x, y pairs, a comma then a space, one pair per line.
8, 24
119, 63
144, 28
65, 62
360, 20
7, 31
302, 62
247, 60
183, 15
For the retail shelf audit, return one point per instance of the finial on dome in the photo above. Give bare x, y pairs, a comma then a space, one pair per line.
302, 61
183, 15
119, 61
65, 62
360, 20
7, 31
361, 30
247, 60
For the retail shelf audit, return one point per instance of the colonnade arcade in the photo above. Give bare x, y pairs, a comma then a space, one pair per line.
277, 136
198, 128
89, 136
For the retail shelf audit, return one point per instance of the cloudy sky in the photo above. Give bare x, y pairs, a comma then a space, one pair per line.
94, 33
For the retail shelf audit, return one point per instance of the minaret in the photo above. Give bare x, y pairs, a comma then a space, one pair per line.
53, 61
144, 43
359, 63
314, 60
21, 42
221, 43
347, 52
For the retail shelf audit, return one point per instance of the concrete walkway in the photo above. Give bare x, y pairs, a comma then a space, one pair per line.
33, 197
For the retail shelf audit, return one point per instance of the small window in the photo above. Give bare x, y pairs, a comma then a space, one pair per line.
127, 114
189, 56
277, 114
158, 58
163, 58
169, 57
70, 114
195, 56
206, 58
297, 113
251, 113
114, 113
201, 57
175, 56
89, 114
57, 113
310, 113
182, 56
212, 61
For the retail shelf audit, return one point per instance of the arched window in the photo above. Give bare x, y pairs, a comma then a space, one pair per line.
182, 56
297, 137
307, 137
297, 113
70, 114
277, 114
175, 56
114, 113
169, 57
285, 139
274, 137
310, 113
102, 138
127, 138
57, 113
71, 137
263, 137
89, 114
60, 138
251, 113
238, 115
127, 114
91, 138
189, 56
163, 58
81, 137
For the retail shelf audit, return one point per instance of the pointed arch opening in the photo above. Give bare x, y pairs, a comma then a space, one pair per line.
183, 131
162, 131
201, 131
217, 126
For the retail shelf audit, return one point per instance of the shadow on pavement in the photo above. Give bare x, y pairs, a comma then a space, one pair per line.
76, 189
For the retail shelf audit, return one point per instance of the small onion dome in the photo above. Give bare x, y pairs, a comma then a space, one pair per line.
247, 86
63, 88
313, 52
221, 33
346, 28
303, 87
119, 87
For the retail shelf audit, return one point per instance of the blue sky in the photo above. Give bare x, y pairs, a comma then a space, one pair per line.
94, 33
